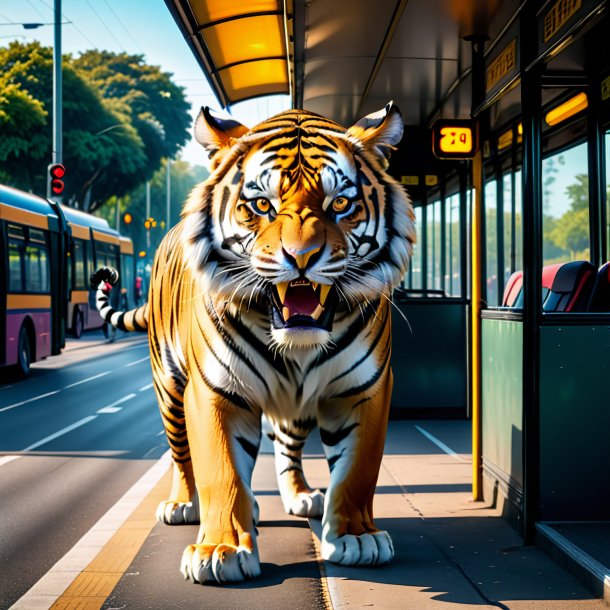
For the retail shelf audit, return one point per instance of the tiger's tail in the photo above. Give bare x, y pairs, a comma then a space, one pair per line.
134, 320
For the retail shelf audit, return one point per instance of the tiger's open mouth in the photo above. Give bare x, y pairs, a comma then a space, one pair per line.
302, 303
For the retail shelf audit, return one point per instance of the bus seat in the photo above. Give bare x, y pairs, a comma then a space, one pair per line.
513, 295
600, 297
567, 286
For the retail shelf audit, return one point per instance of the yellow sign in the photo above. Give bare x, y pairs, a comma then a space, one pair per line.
561, 12
411, 180
431, 180
606, 88
453, 139
502, 65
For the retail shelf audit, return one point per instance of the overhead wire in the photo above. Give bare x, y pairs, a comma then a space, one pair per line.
124, 27
106, 26
63, 15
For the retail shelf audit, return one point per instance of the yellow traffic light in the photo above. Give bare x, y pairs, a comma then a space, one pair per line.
147, 224
127, 218
142, 253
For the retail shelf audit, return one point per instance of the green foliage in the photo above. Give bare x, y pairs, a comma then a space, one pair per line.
183, 177
120, 118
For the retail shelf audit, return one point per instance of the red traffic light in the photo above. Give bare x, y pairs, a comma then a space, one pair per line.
56, 174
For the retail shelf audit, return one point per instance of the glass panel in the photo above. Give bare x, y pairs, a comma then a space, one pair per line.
15, 268
255, 78
433, 246
491, 242
416, 260
518, 221
452, 252
566, 206
214, 10
80, 278
243, 39
36, 269
437, 277
509, 245
607, 255
127, 282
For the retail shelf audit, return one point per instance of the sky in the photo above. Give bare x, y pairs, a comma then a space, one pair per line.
136, 26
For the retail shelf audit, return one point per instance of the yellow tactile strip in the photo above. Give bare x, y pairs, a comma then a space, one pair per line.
95, 583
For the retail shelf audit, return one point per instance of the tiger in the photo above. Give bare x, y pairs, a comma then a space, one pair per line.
272, 297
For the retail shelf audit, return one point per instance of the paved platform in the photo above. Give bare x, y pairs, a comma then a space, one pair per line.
451, 553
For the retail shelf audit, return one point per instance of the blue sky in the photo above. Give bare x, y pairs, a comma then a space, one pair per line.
135, 26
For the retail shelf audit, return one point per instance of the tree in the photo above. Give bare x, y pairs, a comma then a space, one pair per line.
95, 148
156, 106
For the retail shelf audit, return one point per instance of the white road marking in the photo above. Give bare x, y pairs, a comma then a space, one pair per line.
146, 387
44, 441
440, 444
160, 433
53, 584
110, 409
137, 361
25, 402
8, 458
88, 379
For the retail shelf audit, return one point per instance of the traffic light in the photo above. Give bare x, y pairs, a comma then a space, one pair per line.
127, 218
56, 177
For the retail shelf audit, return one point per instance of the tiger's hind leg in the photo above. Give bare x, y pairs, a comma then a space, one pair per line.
297, 496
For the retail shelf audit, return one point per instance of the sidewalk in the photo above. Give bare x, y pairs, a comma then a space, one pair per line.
450, 551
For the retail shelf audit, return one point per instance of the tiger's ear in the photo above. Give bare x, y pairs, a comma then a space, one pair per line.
215, 133
381, 130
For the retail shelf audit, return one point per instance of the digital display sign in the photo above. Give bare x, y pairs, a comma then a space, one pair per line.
453, 139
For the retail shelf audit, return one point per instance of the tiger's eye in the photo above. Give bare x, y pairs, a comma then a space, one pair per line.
340, 204
261, 205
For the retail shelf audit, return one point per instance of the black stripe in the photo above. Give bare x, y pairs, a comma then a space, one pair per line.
330, 439
367, 384
368, 352
250, 448
291, 469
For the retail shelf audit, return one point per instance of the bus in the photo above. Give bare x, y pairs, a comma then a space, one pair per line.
47, 253
506, 156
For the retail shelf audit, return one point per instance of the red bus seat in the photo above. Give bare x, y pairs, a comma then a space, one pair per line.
513, 294
567, 286
600, 297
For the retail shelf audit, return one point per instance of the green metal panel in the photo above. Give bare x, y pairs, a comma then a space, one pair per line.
575, 422
429, 358
502, 399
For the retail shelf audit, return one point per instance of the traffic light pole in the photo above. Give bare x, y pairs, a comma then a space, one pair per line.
57, 89
57, 98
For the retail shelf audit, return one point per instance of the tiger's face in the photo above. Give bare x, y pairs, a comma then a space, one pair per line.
301, 218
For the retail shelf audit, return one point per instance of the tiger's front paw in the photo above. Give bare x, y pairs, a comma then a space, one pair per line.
306, 504
363, 550
178, 513
220, 563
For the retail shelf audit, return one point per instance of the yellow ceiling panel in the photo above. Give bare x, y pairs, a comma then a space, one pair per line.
215, 10
245, 39
255, 78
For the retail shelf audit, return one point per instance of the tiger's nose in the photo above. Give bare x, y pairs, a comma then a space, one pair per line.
301, 257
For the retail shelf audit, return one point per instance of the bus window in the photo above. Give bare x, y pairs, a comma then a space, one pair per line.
452, 252
16, 247
80, 265
491, 240
127, 281
36, 268
565, 221
509, 233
